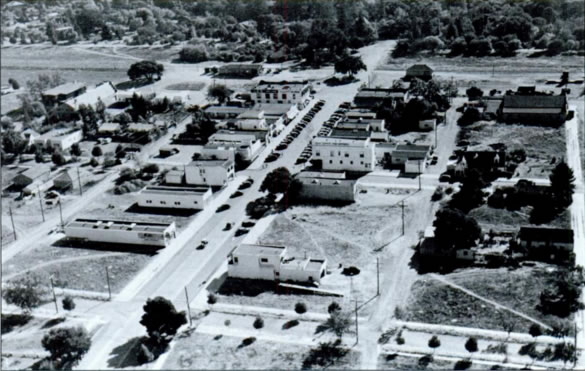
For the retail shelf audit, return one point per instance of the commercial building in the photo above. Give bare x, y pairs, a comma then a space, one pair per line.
266, 262
372, 98
59, 139
174, 197
412, 157
326, 186
175, 176
215, 173
536, 109
240, 70
104, 92
224, 112
61, 93
281, 92
121, 232
337, 154
109, 129
247, 145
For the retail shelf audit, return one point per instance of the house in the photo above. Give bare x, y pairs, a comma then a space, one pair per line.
104, 92
59, 139
174, 197
326, 186
140, 128
240, 70
266, 262
224, 112
534, 109
62, 93
419, 71
488, 162
214, 173
127, 95
249, 120
29, 135
411, 157
281, 92
109, 129
372, 98
121, 232
339, 154
63, 181
175, 176
30, 175
548, 244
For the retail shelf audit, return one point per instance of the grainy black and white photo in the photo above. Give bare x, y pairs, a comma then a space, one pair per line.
292, 184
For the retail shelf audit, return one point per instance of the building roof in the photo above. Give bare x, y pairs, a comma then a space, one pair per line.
56, 133
34, 172
418, 68
140, 127
546, 234
64, 176
413, 147
225, 109
91, 96
352, 134
175, 190
248, 249
534, 101
109, 126
240, 67
175, 172
484, 158
138, 226
322, 174
209, 163
232, 136
283, 82
66, 88
340, 142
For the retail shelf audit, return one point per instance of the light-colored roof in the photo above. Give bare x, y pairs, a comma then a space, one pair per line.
137, 226
175, 190
340, 142
140, 127
64, 88
247, 249
109, 126
91, 96
209, 163
34, 172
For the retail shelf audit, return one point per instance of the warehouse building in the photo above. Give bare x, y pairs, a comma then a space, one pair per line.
174, 197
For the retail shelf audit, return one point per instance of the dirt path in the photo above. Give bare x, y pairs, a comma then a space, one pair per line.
321, 250
495, 304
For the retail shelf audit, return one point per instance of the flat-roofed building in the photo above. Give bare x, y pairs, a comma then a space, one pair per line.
268, 262
121, 231
175, 176
245, 70
356, 114
224, 112
174, 197
326, 186
372, 98
246, 144
340, 154
411, 157
534, 109
215, 173
281, 92
59, 139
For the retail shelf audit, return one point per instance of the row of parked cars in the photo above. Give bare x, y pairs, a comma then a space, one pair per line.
307, 152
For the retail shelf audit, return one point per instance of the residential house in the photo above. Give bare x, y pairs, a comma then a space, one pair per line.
326, 186
266, 262
243, 70
31, 175
141, 128
534, 109
281, 92
104, 92
29, 135
174, 197
63, 181
419, 71
109, 129
548, 244
339, 154
214, 173
487, 162
121, 232
411, 158
62, 93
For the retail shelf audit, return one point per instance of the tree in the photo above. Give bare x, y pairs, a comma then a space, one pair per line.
75, 149
68, 303
470, 115
471, 194
161, 319
562, 183
15, 85
106, 32
535, 330
455, 230
211, 299
26, 293
474, 93
555, 47
471, 345
150, 168
300, 307
277, 181
193, 54
338, 322
94, 162
88, 19
145, 69
58, 158
258, 323
96, 151
219, 92
66, 345
562, 298
333, 307
434, 342
350, 65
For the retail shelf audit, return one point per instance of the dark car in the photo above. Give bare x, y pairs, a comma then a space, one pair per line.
241, 231
281, 147
227, 227
223, 207
272, 157
445, 178
236, 194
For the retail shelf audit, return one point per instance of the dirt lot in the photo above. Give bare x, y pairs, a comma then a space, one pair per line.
432, 301
544, 146
397, 362
203, 351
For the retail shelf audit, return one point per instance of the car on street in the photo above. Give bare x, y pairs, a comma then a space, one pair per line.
445, 178
281, 147
227, 227
272, 157
223, 207
236, 194
241, 231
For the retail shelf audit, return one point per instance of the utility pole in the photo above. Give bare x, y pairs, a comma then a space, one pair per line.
188, 308
108, 282
419, 175
493, 70
54, 296
41, 203
61, 213
357, 332
12, 220
378, 276
79, 181
436, 128
402, 206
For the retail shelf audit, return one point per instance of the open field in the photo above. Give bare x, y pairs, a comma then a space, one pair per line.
544, 146
502, 219
24, 63
434, 302
398, 362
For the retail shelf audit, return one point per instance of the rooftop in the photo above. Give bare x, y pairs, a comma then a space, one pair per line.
174, 190
353, 134
247, 249
534, 101
321, 174
340, 141
546, 234
413, 147
64, 88
91, 96
138, 226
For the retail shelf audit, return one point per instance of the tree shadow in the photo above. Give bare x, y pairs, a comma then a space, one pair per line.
126, 355
11, 321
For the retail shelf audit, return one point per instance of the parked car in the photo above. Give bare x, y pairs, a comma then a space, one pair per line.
227, 227
281, 147
223, 207
445, 178
241, 231
272, 157
236, 194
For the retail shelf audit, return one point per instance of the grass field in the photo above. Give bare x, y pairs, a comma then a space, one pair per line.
397, 362
498, 219
432, 301
544, 146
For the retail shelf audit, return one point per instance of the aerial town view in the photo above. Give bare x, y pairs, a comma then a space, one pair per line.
292, 184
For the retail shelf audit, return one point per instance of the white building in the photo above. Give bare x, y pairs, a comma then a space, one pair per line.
121, 232
265, 262
174, 197
247, 145
281, 92
250, 120
175, 176
215, 173
218, 152
104, 92
336, 154
60, 139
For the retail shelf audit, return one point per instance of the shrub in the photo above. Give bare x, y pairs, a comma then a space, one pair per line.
68, 303
462, 364
66, 344
211, 299
333, 307
94, 162
471, 345
227, 322
438, 194
300, 307
400, 340
434, 342
248, 341
258, 323
96, 151
535, 330
144, 355
26, 293
529, 350
424, 361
